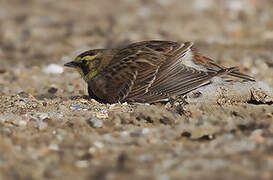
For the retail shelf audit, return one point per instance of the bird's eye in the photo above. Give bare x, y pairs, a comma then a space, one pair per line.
84, 61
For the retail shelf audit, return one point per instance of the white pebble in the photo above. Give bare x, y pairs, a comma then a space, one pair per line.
125, 104
112, 106
43, 116
98, 144
92, 150
96, 123
145, 130
53, 69
75, 107
22, 123
53, 147
124, 133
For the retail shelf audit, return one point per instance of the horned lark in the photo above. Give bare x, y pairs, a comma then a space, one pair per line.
147, 71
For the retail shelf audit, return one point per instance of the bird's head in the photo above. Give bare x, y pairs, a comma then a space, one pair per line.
88, 63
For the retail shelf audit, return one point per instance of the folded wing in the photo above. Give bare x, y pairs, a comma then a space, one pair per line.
150, 71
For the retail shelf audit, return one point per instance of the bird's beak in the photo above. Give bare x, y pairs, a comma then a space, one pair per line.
72, 64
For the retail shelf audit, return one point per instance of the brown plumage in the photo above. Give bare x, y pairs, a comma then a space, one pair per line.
149, 71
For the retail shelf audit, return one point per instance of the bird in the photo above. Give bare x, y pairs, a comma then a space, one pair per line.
148, 71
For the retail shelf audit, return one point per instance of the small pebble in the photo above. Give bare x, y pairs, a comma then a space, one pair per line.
125, 104
75, 107
145, 130
43, 116
53, 69
52, 90
98, 144
112, 106
104, 111
95, 123
22, 123
92, 150
83, 101
53, 147
94, 101
168, 105
101, 115
124, 134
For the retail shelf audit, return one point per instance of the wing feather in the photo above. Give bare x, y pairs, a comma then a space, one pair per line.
130, 76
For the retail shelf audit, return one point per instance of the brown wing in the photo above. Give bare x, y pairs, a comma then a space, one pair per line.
174, 78
185, 80
182, 80
134, 73
170, 55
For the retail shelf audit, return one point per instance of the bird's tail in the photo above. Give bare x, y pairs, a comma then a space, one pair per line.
241, 75
234, 71
227, 71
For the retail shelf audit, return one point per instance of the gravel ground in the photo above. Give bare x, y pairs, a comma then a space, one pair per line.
50, 130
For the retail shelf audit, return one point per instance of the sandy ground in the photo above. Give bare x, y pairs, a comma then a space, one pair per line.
48, 130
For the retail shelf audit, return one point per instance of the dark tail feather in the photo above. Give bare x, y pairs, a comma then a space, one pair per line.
227, 71
241, 75
234, 71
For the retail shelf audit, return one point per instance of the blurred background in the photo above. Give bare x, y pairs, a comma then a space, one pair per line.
233, 32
